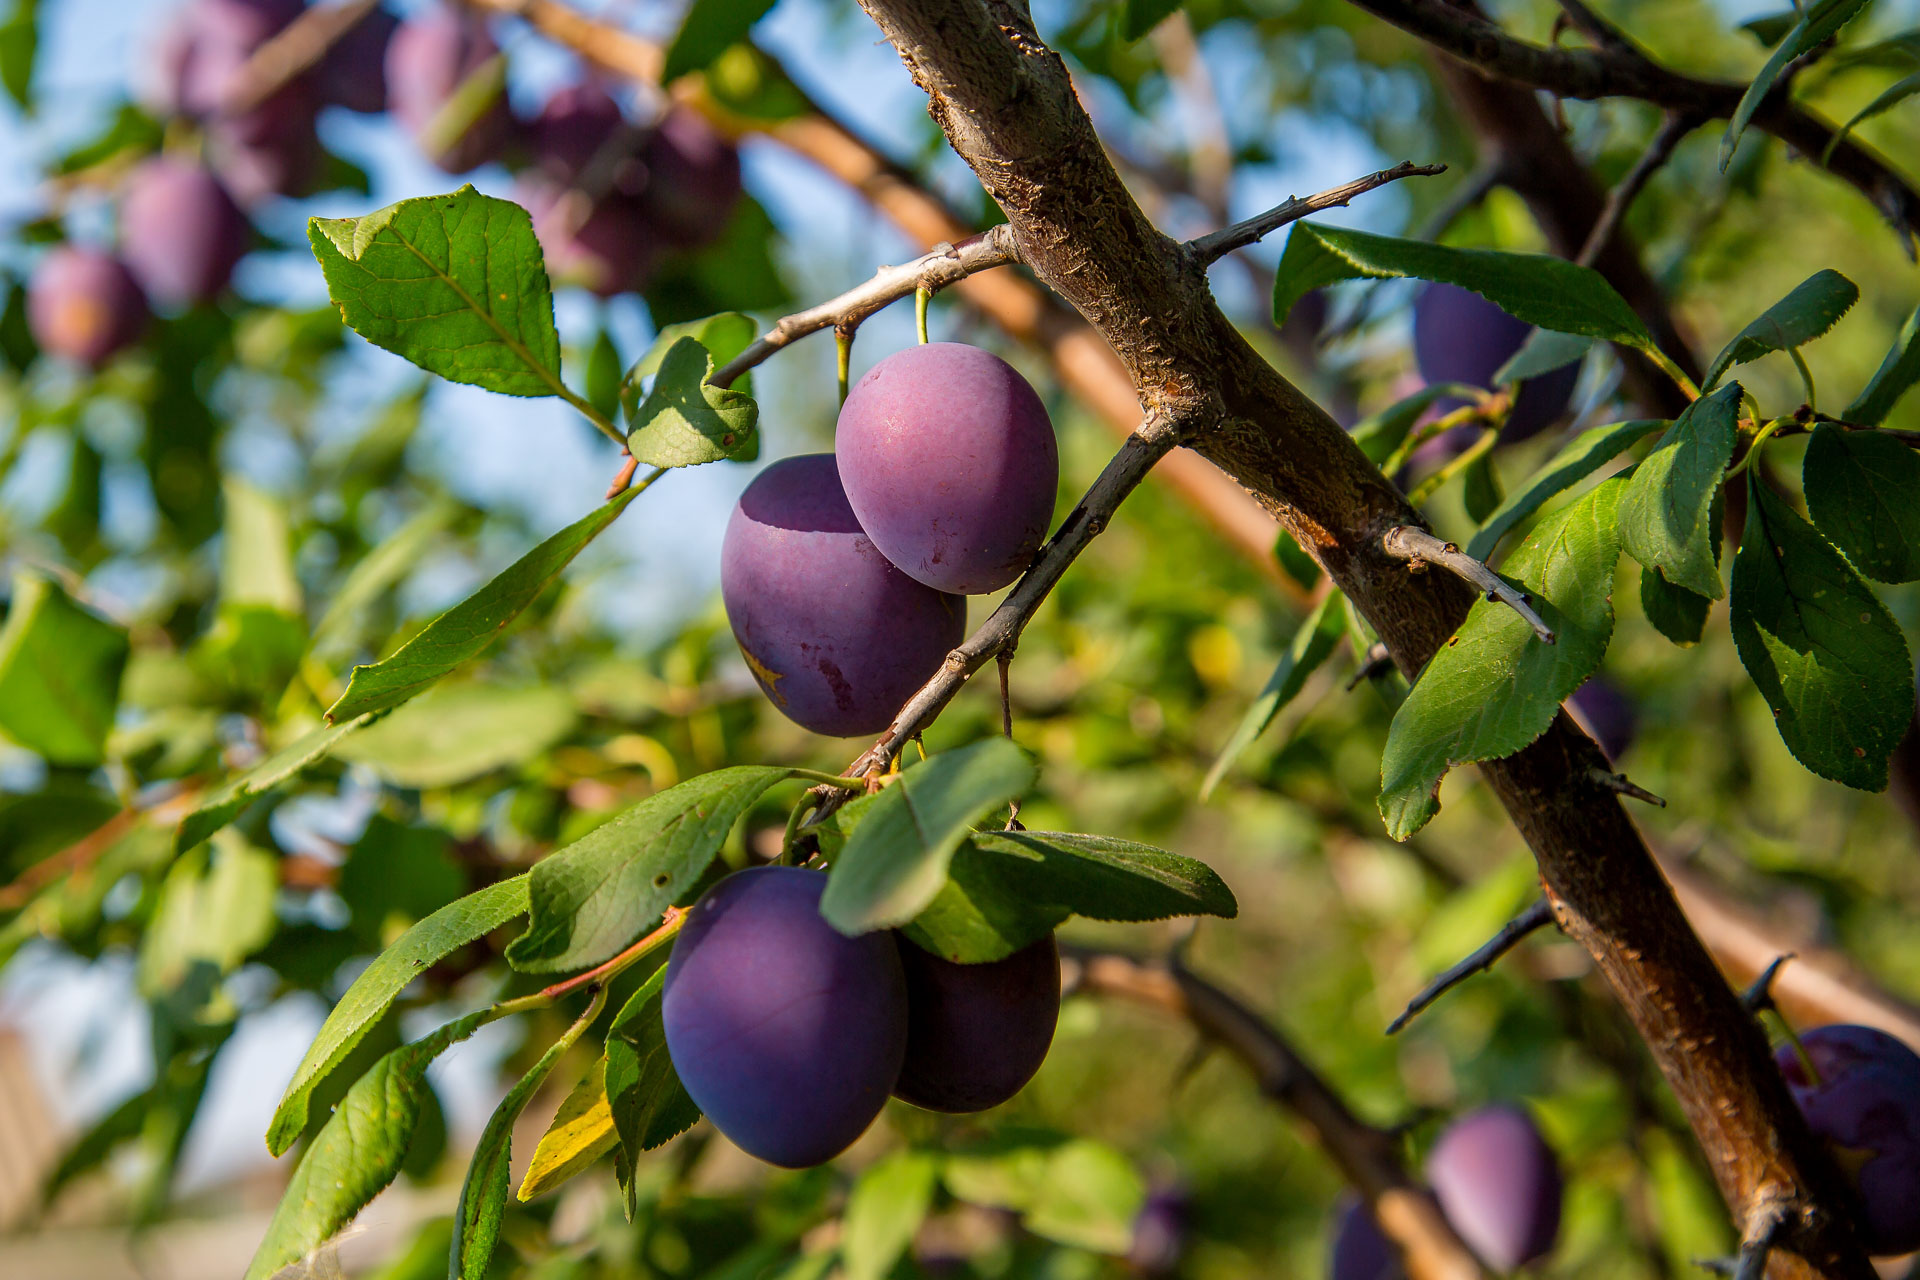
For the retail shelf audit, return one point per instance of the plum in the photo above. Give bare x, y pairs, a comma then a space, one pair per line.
1160, 1231
85, 305
692, 179
837, 637
180, 231
207, 42
428, 59
573, 124
1867, 1107
1458, 336
1499, 1185
1361, 1251
787, 1033
949, 460
605, 245
353, 73
976, 1033
1606, 714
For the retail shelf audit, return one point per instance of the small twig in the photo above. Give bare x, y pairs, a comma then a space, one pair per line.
1620, 784
1904, 435
623, 477
294, 50
1418, 547
1540, 913
1378, 660
1006, 694
1217, 244
1673, 128
1759, 996
78, 856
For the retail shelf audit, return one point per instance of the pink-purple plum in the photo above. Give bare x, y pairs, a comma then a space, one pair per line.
950, 463
976, 1033
1606, 714
353, 74
1361, 1251
1867, 1108
85, 305
605, 245
1160, 1231
1498, 1184
692, 179
835, 634
428, 59
1458, 336
180, 231
573, 125
787, 1033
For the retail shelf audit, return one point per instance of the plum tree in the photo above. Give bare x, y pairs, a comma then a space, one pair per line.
787, 1033
1866, 1104
85, 305
1458, 336
1360, 1250
976, 1033
949, 460
353, 74
1499, 1185
692, 179
835, 634
429, 58
180, 231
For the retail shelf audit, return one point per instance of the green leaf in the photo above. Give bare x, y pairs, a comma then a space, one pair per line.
208, 918
396, 876
1892, 96
896, 860
1675, 612
378, 571
454, 283
1382, 435
1894, 378
1542, 290
980, 915
1137, 17
226, 804
1480, 487
1666, 514
710, 28
595, 896
60, 669
724, 335
1312, 645
1294, 560
650, 1105
1823, 650
582, 1131
1542, 352
466, 630
1075, 1191
686, 420
603, 376
1493, 688
256, 560
432, 940
19, 41
1819, 23
357, 1152
1814, 306
456, 733
884, 1210
1771, 28
1584, 455
1863, 492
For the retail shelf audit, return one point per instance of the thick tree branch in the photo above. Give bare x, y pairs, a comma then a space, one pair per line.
1217, 244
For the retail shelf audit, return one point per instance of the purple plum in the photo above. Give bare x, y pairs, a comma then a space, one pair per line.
692, 179
787, 1033
949, 460
1867, 1108
570, 130
354, 72
976, 1033
180, 231
1160, 1231
606, 245
1499, 1185
1606, 714
1458, 336
85, 305
1361, 1251
428, 59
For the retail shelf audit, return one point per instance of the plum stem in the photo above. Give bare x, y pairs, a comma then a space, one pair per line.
1419, 548
670, 923
922, 295
1215, 245
1537, 914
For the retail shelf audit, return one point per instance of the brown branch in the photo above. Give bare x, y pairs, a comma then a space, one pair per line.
1675, 127
80, 855
293, 51
1367, 1157
1419, 548
1510, 935
1217, 244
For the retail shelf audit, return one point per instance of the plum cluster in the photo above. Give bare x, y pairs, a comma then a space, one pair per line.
1863, 1099
843, 574
1497, 1183
790, 1035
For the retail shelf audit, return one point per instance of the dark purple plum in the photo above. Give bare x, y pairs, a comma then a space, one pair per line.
354, 72
692, 179
836, 635
1160, 1231
1499, 1185
429, 57
976, 1033
606, 245
84, 305
1361, 1251
180, 231
1458, 336
572, 127
949, 460
787, 1033
207, 42
1867, 1107
1606, 714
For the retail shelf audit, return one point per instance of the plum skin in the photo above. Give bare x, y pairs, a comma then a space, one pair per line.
1458, 336
837, 637
607, 244
85, 305
428, 58
950, 463
180, 231
785, 1032
976, 1033
1360, 1250
1867, 1106
1607, 714
692, 179
1498, 1184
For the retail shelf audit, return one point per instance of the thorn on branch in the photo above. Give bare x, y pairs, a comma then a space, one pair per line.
1620, 784
1419, 548
1217, 244
1759, 997
1535, 916
1377, 661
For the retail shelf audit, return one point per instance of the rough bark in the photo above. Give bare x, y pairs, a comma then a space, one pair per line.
1006, 105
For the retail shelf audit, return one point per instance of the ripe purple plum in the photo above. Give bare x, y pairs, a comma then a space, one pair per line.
567, 135
181, 232
1498, 1184
207, 42
1867, 1107
1606, 714
85, 305
1160, 1231
787, 1033
428, 59
605, 245
1458, 336
692, 179
949, 460
1361, 1251
837, 637
353, 73
976, 1033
